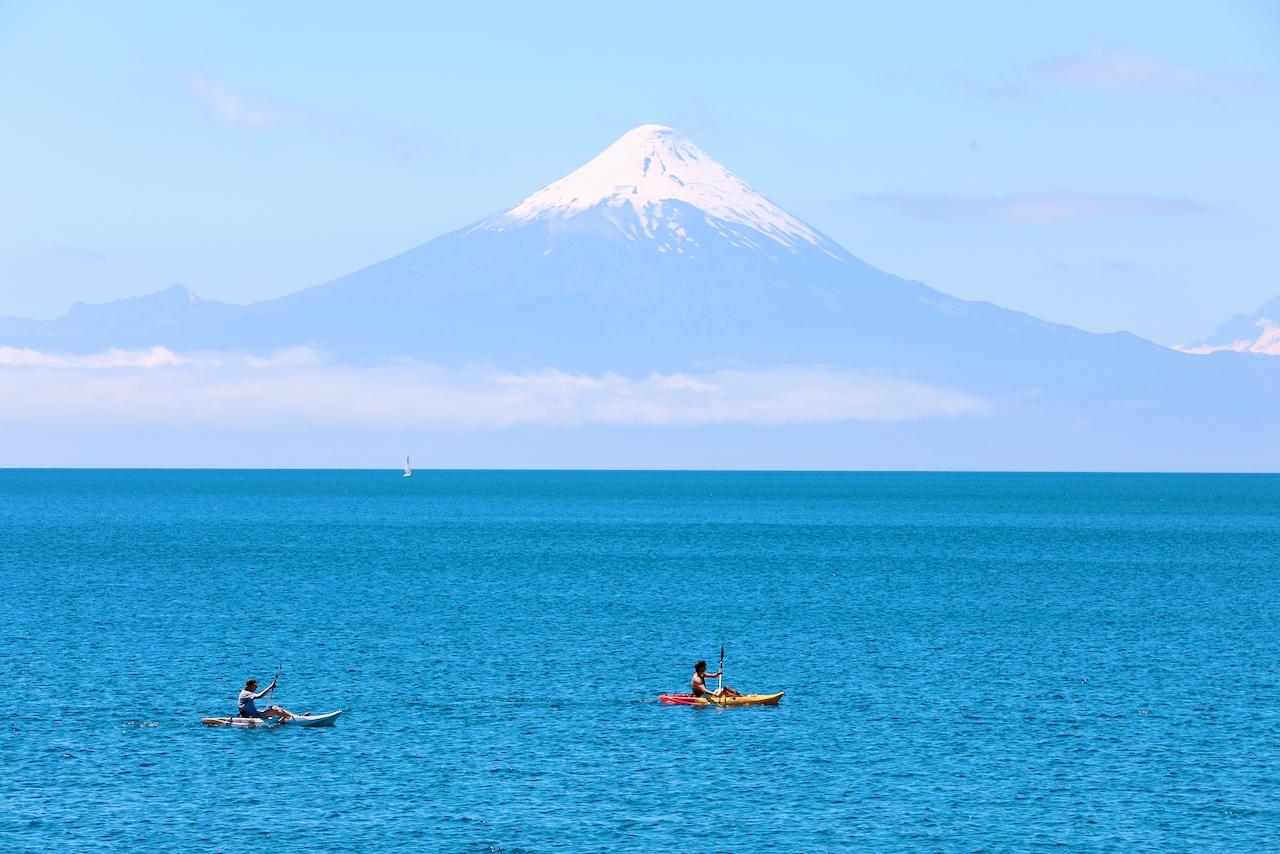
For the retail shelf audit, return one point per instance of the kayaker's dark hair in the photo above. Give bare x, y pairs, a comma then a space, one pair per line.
249, 682
700, 666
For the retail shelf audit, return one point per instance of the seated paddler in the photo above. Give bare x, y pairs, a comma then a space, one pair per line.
249, 709
699, 683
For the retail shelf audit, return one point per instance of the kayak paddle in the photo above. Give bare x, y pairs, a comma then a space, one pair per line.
720, 678
272, 695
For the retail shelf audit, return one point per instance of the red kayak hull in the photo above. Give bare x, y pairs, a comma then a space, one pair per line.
744, 700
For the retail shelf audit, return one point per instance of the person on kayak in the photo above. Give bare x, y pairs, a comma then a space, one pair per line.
699, 683
249, 709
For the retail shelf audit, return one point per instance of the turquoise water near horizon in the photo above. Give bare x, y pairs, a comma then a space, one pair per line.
973, 662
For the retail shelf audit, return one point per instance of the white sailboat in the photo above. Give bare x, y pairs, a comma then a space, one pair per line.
408, 472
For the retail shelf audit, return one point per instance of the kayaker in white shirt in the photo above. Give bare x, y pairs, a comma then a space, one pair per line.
699, 683
248, 709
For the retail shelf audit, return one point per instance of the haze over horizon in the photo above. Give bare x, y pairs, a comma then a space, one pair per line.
652, 290
647, 307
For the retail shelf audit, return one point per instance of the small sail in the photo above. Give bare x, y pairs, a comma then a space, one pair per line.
407, 471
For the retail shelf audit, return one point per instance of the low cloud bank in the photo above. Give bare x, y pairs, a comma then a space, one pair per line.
157, 386
236, 108
1035, 208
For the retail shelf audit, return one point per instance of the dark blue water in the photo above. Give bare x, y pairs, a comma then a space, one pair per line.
972, 662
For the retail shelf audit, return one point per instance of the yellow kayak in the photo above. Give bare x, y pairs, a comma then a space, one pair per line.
744, 700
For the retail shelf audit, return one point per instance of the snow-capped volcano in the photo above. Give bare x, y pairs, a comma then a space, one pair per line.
651, 257
654, 261
650, 171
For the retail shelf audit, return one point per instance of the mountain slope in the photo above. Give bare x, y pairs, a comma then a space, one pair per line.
651, 257
654, 257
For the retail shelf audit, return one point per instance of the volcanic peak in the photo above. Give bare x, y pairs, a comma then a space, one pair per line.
650, 166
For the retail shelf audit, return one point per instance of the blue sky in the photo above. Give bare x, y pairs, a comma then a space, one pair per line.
1112, 168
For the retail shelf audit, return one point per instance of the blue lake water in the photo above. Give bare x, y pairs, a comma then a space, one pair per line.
972, 662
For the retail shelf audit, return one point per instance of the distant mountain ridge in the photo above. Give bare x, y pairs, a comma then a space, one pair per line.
1245, 333
653, 257
131, 322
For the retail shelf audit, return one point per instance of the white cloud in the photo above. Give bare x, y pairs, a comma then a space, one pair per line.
300, 355
159, 387
1116, 69
1039, 208
154, 357
150, 358
1015, 91
242, 110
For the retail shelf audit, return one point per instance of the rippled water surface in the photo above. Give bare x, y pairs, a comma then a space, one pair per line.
972, 662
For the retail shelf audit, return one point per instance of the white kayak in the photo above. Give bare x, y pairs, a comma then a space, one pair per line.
296, 720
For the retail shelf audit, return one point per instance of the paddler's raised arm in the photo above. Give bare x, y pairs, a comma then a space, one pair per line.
264, 691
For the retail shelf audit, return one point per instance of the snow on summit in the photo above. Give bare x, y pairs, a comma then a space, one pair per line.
650, 166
